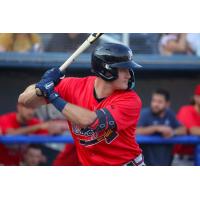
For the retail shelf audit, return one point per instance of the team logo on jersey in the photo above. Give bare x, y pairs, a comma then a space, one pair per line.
88, 137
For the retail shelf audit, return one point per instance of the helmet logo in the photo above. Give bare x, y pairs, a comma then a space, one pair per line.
107, 67
130, 55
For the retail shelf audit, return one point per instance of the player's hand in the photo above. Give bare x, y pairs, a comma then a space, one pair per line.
54, 75
166, 131
46, 87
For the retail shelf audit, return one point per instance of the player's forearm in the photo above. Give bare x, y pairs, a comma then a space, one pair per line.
78, 115
30, 99
26, 130
180, 131
194, 130
146, 130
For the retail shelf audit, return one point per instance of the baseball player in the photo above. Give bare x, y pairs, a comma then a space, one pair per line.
102, 110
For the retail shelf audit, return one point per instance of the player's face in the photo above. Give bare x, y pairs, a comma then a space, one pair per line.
122, 82
158, 104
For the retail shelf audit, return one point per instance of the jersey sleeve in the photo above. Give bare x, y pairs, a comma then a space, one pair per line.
125, 112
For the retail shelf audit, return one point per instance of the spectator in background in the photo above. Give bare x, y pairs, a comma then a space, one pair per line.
159, 120
174, 43
189, 116
22, 122
67, 157
20, 42
49, 112
33, 156
144, 43
65, 42
193, 40
57, 154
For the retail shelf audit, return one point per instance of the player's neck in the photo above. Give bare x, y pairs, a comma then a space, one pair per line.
102, 88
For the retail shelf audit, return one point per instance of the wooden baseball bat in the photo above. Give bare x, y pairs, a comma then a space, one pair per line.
86, 44
90, 40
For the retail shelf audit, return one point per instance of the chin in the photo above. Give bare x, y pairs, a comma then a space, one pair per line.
123, 88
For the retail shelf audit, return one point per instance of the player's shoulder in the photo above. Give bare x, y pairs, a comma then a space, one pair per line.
78, 80
130, 96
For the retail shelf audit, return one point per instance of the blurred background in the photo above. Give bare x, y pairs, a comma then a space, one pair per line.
171, 61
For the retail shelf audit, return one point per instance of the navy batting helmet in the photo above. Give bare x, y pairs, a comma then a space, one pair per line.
107, 58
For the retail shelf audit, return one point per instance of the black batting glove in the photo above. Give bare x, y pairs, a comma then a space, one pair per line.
54, 75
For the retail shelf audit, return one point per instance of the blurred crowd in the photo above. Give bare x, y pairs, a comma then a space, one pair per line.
27, 121
141, 43
157, 119
160, 119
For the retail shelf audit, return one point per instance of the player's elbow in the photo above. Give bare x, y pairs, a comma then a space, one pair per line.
86, 121
24, 100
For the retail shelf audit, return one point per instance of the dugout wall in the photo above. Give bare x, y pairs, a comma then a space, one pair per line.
178, 74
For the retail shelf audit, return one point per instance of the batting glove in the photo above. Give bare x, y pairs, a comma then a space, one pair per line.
54, 75
47, 88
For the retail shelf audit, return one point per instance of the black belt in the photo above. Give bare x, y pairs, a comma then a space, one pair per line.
138, 161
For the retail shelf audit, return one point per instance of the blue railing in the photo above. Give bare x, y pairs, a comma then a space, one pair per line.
49, 59
195, 140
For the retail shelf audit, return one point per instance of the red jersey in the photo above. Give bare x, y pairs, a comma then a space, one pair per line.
9, 120
124, 106
11, 154
189, 117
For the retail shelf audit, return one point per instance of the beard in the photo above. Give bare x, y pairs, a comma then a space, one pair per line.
158, 112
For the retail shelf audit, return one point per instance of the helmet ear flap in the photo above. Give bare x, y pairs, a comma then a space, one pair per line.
131, 82
107, 73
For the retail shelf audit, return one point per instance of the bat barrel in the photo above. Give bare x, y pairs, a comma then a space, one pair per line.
82, 48
91, 39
